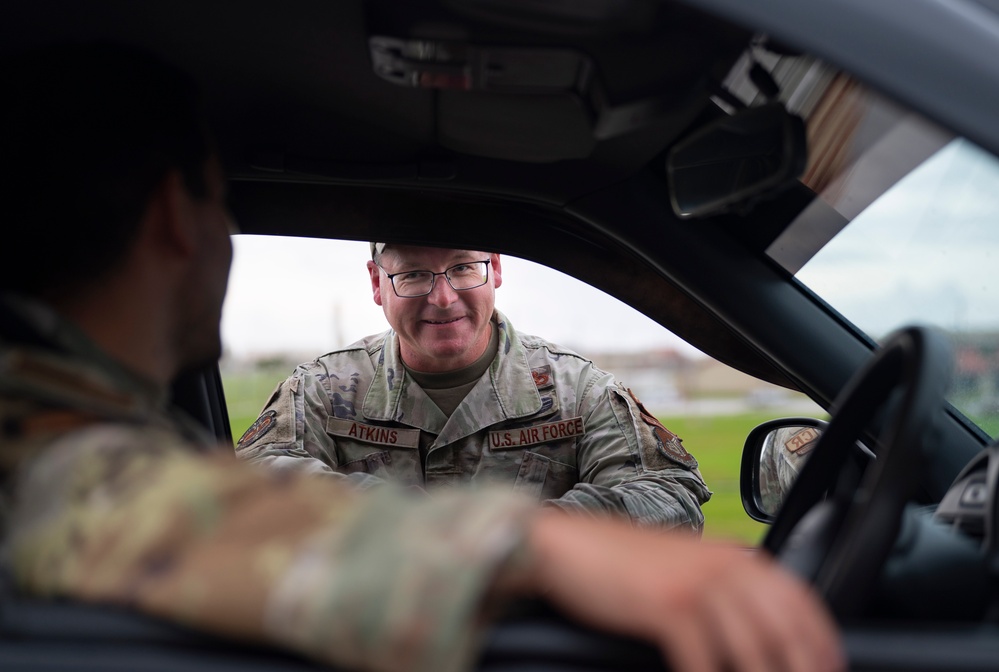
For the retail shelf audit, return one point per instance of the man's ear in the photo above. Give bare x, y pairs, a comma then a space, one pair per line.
497, 269
169, 221
376, 282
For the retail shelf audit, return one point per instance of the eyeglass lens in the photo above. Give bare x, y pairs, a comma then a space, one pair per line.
462, 276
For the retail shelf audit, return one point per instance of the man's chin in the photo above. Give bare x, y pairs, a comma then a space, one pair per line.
457, 355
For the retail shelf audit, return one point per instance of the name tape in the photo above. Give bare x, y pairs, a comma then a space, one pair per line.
382, 436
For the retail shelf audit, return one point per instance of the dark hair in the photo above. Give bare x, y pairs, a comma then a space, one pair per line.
87, 132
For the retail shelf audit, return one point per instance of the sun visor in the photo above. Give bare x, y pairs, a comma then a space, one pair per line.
524, 103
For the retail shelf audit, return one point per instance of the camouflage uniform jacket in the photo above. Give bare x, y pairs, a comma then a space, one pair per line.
542, 418
785, 453
108, 497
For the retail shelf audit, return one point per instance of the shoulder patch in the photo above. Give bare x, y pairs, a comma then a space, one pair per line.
260, 426
668, 443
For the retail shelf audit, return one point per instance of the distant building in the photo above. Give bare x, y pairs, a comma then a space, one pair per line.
669, 382
976, 371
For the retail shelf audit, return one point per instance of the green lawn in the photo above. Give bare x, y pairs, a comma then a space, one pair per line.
246, 393
716, 442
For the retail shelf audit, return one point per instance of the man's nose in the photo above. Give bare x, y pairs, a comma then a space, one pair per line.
442, 295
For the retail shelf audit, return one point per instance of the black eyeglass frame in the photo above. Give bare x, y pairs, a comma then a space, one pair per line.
433, 278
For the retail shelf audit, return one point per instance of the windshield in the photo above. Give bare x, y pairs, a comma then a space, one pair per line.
905, 231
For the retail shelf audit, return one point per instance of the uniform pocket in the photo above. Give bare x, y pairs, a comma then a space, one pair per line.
391, 453
544, 478
401, 466
369, 464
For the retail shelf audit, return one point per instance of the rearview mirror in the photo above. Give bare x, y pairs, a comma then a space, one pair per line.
736, 161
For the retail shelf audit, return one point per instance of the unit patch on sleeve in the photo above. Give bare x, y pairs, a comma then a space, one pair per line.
261, 426
560, 430
667, 442
395, 437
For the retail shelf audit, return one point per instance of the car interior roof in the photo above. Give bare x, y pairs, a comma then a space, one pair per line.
308, 105
317, 144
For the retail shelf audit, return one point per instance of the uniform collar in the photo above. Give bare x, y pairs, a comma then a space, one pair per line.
510, 375
507, 391
64, 366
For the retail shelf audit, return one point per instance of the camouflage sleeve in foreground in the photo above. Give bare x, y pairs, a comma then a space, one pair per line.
358, 579
629, 464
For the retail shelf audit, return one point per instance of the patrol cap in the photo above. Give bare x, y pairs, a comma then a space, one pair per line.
377, 248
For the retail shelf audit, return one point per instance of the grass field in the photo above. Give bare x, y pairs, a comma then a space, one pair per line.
716, 441
246, 393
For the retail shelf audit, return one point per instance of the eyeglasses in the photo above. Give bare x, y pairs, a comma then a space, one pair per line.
411, 284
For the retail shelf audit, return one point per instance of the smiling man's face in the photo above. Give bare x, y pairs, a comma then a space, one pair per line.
446, 329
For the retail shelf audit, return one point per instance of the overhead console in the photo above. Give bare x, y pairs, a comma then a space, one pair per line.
543, 82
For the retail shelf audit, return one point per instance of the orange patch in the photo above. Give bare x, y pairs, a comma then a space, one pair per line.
261, 426
542, 377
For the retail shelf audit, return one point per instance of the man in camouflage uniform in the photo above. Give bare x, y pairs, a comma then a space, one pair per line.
454, 394
110, 496
784, 453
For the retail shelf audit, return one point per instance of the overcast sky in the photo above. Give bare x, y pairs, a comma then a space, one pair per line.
927, 252
312, 296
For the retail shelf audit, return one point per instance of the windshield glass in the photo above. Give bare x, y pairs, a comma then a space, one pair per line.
926, 252
905, 230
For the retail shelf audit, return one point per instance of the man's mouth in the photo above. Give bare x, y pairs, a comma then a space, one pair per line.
451, 321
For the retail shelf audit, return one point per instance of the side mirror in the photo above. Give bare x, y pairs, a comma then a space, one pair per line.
773, 455
736, 160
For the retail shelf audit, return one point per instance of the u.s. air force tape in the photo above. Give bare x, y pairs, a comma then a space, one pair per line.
802, 441
560, 430
382, 436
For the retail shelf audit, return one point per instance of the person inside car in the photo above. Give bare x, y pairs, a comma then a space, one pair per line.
114, 284
454, 394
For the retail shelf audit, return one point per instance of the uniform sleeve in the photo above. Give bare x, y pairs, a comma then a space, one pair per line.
630, 465
770, 489
373, 579
290, 433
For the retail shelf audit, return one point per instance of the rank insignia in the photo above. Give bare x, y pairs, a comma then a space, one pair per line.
542, 377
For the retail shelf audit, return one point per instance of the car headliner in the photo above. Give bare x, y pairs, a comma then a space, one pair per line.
317, 144
298, 107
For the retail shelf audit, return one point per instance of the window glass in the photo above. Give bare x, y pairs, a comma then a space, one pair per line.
926, 252
292, 299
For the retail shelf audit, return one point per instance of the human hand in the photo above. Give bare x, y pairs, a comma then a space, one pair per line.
707, 606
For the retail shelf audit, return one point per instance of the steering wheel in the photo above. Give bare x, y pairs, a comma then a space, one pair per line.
841, 542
